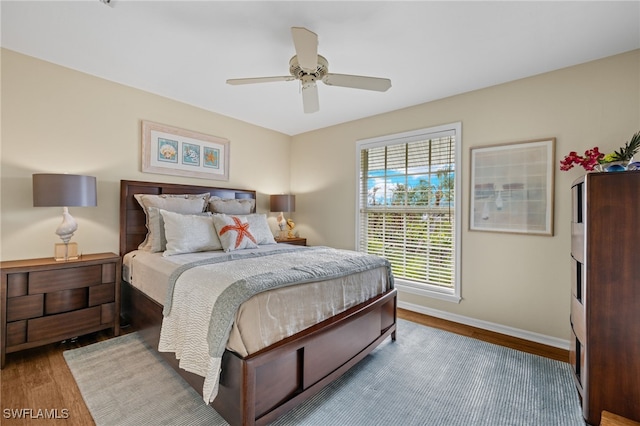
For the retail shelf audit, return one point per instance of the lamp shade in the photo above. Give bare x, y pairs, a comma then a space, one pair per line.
283, 203
61, 190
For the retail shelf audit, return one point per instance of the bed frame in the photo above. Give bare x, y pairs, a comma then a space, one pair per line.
260, 387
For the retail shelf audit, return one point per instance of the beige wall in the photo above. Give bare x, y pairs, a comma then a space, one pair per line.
516, 281
55, 120
58, 120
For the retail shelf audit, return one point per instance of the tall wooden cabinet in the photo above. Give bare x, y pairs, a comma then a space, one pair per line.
605, 300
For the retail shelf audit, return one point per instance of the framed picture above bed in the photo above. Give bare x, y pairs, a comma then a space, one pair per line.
173, 151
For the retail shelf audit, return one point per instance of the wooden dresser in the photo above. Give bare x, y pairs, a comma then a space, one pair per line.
44, 301
605, 299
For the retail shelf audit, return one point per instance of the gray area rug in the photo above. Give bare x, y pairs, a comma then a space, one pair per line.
427, 377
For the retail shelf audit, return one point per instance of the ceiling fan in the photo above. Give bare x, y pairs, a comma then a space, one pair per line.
309, 67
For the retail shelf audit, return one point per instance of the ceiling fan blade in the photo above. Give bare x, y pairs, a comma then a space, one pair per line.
310, 101
357, 82
306, 44
237, 81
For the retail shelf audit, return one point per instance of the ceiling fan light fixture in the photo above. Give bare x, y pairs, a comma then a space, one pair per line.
308, 67
321, 69
307, 81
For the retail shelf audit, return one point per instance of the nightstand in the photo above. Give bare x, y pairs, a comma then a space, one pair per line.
295, 241
44, 301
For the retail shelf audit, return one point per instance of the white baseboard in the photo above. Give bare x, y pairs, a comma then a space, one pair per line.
485, 325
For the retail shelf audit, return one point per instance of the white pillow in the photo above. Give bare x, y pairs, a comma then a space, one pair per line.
234, 232
231, 205
156, 228
260, 229
189, 233
179, 203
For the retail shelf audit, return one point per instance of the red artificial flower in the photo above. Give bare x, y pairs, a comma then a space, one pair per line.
589, 161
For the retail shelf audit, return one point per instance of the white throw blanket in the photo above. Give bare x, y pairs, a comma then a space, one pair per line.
205, 297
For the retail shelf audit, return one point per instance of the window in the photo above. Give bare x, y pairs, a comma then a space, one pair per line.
408, 193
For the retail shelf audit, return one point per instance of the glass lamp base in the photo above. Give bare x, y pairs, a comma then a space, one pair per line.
64, 252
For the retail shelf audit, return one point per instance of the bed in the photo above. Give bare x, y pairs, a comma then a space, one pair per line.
257, 387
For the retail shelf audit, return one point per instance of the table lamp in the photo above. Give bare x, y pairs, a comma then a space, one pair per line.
62, 190
284, 203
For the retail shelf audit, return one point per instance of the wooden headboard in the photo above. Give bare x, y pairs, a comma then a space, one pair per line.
132, 217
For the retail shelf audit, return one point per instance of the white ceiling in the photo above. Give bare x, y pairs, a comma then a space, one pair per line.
430, 50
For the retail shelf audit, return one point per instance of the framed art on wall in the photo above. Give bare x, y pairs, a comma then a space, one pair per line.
179, 152
512, 187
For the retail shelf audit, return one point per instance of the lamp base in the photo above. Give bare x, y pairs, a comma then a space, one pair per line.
64, 252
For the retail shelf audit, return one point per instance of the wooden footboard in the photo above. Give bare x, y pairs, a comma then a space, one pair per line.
260, 387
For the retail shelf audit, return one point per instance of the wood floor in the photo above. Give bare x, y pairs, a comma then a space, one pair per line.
487, 336
38, 379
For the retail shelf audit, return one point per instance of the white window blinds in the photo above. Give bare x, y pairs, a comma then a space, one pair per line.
407, 206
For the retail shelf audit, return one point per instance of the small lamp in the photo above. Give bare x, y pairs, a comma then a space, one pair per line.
284, 203
62, 190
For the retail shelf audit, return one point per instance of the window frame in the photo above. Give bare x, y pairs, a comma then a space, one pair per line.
437, 292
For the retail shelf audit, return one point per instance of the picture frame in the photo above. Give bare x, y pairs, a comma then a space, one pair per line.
512, 187
173, 151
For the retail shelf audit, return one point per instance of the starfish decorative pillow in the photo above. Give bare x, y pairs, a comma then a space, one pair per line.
234, 232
